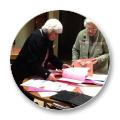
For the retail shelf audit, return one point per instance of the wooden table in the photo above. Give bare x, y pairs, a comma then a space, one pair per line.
48, 100
14, 53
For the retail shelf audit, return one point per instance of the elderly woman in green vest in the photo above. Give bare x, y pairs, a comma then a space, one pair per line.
90, 43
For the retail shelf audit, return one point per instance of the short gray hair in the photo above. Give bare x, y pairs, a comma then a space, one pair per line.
52, 25
86, 21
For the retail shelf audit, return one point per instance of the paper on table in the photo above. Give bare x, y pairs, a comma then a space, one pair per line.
92, 91
33, 83
34, 89
63, 86
70, 80
75, 73
98, 77
47, 85
88, 81
59, 87
46, 94
39, 83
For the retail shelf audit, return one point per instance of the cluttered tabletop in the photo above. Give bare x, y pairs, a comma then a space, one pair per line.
69, 81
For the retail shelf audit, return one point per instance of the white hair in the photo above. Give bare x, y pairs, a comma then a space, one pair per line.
52, 25
86, 21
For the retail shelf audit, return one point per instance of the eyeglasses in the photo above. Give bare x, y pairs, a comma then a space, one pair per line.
91, 29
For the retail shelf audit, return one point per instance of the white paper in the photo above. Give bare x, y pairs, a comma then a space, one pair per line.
46, 94
91, 91
48, 85
98, 77
33, 83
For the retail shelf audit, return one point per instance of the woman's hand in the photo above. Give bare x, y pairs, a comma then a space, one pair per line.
94, 60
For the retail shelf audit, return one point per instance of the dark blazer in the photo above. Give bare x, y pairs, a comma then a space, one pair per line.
30, 59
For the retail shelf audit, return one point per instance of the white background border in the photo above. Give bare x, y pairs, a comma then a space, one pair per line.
14, 14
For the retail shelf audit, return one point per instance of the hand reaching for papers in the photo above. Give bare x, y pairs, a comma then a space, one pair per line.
53, 76
94, 60
84, 62
74, 63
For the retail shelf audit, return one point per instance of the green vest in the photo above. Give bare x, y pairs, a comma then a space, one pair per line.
92, 47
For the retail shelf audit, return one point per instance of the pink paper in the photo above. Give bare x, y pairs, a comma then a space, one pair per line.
85, 63
75, 73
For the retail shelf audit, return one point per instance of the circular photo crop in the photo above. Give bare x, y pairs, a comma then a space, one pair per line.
60, 60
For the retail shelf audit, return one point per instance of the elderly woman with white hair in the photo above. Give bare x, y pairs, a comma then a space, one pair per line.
90, 43
37, 50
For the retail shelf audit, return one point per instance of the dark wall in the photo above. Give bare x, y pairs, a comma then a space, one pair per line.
40, 20
72, 24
